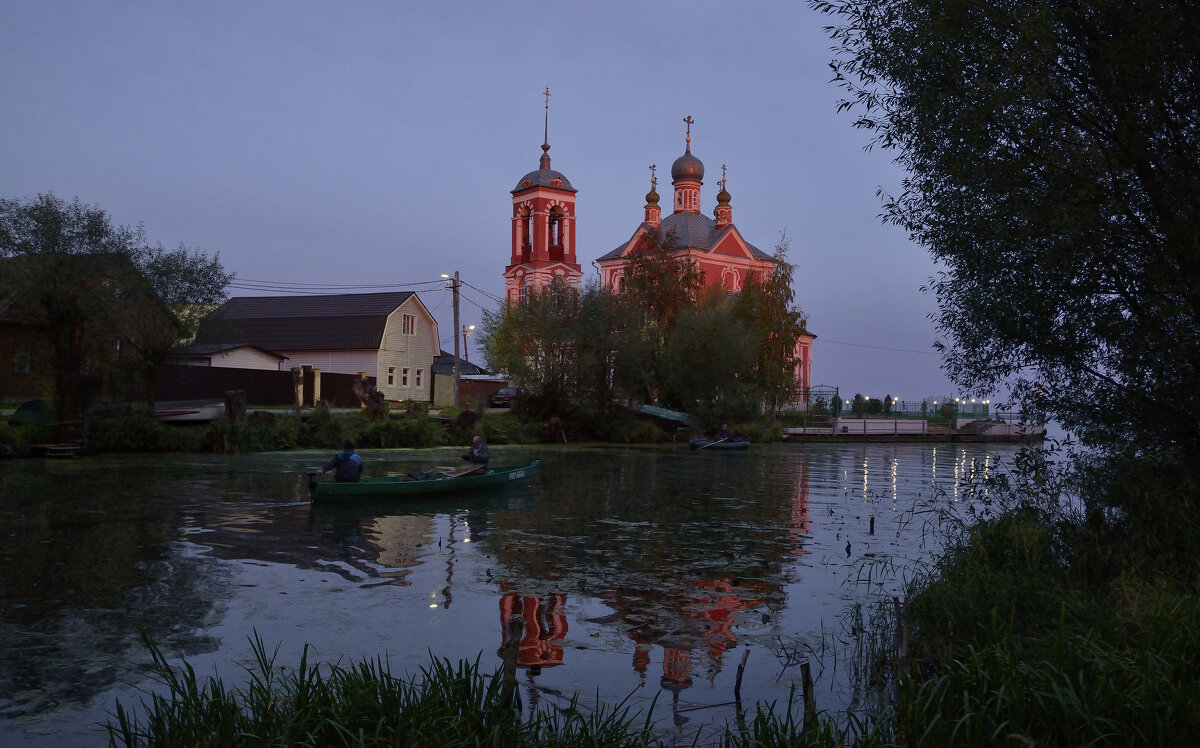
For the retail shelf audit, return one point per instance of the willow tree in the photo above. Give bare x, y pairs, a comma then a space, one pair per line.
660, 281
1052, 154
766, 305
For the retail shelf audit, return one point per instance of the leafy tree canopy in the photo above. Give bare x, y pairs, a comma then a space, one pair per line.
102, 293
1052, 154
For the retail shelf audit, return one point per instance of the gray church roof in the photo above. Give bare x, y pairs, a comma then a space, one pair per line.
691, 230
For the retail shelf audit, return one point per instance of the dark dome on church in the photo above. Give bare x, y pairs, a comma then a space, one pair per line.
544, 178
687, 167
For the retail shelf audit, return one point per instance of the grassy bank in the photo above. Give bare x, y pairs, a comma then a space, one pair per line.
127, 430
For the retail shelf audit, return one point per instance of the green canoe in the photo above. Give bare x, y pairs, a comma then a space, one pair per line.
443, 482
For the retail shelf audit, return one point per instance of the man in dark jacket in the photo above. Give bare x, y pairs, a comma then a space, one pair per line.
478, 454
349, 465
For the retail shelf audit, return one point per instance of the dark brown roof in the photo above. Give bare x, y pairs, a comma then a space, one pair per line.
327, 322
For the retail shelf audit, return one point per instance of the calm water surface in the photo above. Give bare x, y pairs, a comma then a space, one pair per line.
641, 573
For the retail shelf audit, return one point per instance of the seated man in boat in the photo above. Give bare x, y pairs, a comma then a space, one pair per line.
478, 454
347, 463
723, 435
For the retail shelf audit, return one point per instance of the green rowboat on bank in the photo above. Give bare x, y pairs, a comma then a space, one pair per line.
440, 482
700, 442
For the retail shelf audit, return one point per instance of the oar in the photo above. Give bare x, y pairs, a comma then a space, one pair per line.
718, 441
461, 472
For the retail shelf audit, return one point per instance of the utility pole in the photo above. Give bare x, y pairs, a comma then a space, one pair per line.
454, 332
466, 348
457, 371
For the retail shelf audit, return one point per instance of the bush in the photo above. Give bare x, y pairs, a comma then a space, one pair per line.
322, 429
635, 431
398, 430
15, 440
507, 428
135, 431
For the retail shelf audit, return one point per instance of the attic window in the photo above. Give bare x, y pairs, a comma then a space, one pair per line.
526, 182
410, 324
556, 182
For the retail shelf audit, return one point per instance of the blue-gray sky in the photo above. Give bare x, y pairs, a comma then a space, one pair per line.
371, 143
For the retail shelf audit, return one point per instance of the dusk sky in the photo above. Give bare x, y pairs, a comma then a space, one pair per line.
369, 146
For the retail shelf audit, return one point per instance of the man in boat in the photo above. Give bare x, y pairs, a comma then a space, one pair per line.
723, 435
347, 465
478, 454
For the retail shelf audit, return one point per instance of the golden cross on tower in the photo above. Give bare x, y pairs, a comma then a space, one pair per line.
688, 119
653, 179
722, 176
547, 93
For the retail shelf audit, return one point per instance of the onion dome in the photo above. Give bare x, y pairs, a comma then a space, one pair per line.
687, 168
723, 197
652, 197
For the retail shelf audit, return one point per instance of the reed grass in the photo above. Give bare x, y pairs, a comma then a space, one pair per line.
357, 705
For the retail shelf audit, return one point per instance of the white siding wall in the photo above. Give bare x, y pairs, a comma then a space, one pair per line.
414, 352
338, 362
246, 358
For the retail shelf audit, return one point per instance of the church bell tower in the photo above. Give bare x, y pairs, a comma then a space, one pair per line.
543, 228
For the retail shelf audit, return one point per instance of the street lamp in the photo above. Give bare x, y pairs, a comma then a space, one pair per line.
466, 349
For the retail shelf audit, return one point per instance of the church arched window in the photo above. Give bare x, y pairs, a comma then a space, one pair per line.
556, 226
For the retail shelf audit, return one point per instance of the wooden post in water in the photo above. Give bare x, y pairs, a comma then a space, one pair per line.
512, 645
810, 701
737, 684
872, 525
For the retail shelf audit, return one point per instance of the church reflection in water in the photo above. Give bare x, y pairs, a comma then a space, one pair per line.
545, 628
691, 618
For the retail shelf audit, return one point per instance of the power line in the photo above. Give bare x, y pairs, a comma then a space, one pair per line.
250, 284
875, 347
496, 299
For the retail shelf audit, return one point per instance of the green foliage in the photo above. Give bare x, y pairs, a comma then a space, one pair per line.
1051, 152
508, 428
569, 349
775, 325
256, 434
361, 704
1011, 639
706, 362
134, 431
323, 429
107, 299
15, 440
395, 430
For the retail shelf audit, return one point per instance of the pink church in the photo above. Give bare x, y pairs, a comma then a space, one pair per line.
543, 237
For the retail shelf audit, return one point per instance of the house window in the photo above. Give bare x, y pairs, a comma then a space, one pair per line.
391, 375
410, 324
404, 377
419, 373
21, 360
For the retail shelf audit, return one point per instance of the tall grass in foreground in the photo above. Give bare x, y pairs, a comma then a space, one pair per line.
1015, 644
359, 705
365, 705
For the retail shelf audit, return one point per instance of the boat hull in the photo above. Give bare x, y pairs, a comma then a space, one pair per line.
512, 475
711, 444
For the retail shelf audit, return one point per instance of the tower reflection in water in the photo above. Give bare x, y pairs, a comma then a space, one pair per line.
692, 619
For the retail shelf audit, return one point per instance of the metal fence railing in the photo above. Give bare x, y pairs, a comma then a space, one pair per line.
825, 400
